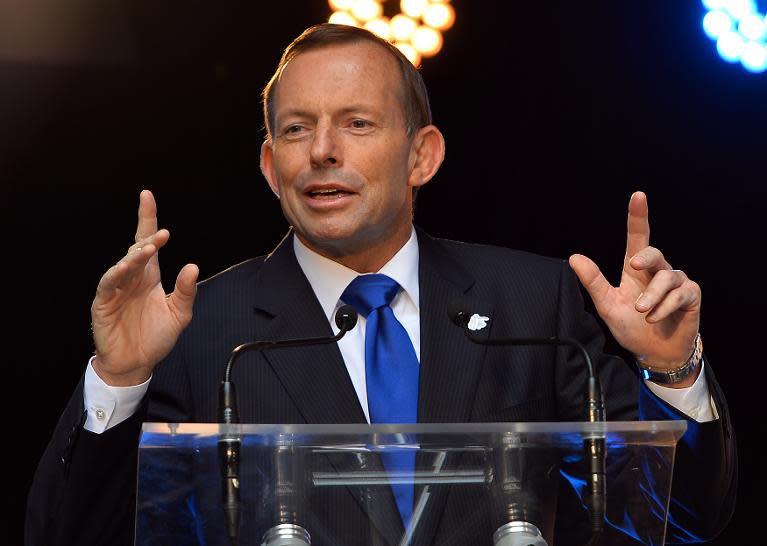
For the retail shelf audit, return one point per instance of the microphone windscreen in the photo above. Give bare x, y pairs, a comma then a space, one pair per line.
456, 310
346, 318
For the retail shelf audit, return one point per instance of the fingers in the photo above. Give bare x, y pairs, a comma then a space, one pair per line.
591, 278
147, 216
638, 225
649, 259
134, 262
123, 271
181, 299
148, 241
669, 291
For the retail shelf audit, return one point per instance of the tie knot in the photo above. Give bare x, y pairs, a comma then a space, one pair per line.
369, 292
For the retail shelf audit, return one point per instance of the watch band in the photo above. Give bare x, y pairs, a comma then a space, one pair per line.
669, 377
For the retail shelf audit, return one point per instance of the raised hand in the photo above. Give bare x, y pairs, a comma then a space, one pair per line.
135, 324
655, 311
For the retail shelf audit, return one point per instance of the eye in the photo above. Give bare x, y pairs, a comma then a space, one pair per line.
293, 129
360, 124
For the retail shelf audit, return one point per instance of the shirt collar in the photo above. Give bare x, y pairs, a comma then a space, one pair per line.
329, 279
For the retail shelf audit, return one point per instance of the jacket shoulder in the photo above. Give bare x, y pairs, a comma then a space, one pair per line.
474, 256
229, 283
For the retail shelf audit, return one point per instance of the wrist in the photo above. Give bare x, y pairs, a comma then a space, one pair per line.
131, 378
679, 376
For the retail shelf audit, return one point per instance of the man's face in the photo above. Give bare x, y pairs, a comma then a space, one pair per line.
340, 159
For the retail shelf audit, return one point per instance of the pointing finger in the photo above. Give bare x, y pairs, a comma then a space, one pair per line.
638, 225
147, 216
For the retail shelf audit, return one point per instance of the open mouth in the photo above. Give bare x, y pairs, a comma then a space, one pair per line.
327, 193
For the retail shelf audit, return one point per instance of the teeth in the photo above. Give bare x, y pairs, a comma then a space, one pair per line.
326, 191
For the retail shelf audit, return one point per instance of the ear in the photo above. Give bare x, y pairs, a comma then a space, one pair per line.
426, 155
267, 167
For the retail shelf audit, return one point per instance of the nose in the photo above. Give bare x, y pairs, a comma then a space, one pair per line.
326, 149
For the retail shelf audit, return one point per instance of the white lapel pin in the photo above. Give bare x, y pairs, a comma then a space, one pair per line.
477, 322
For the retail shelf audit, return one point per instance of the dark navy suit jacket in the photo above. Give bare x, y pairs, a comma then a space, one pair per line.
84, 488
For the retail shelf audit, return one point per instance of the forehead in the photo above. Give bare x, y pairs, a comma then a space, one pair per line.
339, 74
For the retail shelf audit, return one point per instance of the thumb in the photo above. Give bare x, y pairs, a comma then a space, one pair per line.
181, 299
591, 278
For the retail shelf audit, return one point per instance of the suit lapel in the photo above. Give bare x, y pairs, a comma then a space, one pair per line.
451, 365
315, 377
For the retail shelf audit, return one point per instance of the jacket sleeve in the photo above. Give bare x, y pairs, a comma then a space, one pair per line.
705, 472
84, 488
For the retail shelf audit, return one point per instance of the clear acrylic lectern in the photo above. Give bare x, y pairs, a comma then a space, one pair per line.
326, 484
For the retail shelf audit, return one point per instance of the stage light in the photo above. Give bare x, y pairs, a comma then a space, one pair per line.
365, 10
427, 41
343, 18
416, 29
716, 23
739, 8
754, 57
730, 46
752, 27
339, 5
409, 51
739, 30
439, 16
402, 27
380, 27
413, 8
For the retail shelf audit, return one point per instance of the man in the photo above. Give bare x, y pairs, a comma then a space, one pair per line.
349, 142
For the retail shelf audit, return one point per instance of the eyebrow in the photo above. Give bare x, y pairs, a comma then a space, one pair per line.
299, 113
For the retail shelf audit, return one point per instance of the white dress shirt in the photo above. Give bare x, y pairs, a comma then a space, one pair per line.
108, 406
329, 279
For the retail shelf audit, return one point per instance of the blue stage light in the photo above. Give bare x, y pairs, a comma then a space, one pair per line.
740, 32
730, 46
714, 4
740, 8
716, 23
754, 57
751, 27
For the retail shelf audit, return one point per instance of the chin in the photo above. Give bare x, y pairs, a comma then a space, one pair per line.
330, 238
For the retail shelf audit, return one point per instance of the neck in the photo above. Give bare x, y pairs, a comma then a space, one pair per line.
368, 258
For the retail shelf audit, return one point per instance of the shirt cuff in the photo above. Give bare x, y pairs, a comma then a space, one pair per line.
695, 401
108, 406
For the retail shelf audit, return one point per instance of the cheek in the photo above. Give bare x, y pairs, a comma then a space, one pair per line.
387, 165
285, 181
287, 165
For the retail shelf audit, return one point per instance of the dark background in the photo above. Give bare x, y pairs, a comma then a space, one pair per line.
553, 112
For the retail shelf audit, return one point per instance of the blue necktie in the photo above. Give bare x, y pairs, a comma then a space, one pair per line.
391, 371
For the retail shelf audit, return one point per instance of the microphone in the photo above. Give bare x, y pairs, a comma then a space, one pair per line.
594, 447
285, 533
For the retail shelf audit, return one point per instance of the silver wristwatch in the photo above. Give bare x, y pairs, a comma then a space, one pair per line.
669, 377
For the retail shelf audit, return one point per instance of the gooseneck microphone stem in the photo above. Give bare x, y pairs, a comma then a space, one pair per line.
595, 404
595, 450
348, 322
229, 442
